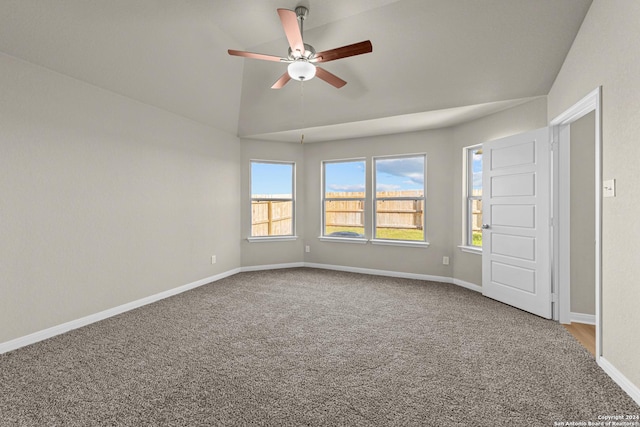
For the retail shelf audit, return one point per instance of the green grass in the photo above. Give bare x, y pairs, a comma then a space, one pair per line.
399, 234
477, 238
384, 233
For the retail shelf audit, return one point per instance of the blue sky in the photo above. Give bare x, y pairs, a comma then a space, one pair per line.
392, 175
345, 176
400, 174
271, 178
476, 170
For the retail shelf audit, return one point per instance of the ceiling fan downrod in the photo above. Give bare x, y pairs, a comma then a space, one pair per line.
301, 13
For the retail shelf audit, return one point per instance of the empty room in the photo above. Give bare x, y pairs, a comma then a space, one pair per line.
363, 212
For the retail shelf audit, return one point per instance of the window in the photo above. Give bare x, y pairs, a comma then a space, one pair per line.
343, 198
473, 215
272, 199
399, 199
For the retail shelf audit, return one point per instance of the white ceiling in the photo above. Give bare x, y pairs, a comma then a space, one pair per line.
394, 124
466, 57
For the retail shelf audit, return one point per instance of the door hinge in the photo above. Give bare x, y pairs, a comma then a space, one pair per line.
553, 146
554, 297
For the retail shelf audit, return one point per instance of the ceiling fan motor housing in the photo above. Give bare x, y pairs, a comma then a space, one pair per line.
309, 53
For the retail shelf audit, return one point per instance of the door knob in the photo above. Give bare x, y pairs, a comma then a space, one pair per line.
485, 226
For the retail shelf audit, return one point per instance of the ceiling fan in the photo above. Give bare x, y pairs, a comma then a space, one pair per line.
302, 57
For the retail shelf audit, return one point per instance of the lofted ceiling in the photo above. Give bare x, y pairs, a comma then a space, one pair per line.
434, 63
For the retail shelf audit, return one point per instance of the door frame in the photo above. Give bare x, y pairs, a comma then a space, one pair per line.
561, 265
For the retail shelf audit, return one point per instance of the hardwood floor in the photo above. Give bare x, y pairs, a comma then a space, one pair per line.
585, 334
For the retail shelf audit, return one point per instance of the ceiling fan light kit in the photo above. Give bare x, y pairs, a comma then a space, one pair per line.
302, 56
301, 70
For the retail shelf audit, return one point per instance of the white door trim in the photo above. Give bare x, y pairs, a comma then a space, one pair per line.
561, 210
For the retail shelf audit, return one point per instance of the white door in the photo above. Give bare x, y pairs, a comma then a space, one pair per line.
516, 259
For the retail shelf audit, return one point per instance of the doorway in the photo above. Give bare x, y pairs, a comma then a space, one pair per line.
582, 288
577, 183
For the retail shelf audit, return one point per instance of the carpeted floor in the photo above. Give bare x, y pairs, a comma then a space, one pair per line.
311, 347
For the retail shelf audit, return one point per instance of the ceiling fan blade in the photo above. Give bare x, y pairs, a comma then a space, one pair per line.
291, 29
332, 79
255, 55
345, 51
283, 80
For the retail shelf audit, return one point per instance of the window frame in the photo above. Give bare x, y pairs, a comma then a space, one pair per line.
375, 199
324, 199
293, 235
468, 199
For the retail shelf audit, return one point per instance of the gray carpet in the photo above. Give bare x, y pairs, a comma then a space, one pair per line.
311, 347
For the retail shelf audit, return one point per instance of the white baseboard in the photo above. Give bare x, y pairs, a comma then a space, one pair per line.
400, 274
272, 266
87, 320
374, 272
630, 388
589, 319
468, 285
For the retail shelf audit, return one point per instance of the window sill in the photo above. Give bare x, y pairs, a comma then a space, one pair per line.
471, 249
407, 243
358, 240
265, 239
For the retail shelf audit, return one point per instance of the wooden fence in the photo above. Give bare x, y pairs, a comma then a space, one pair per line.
404, 214
476, 212
476, 218
271, 218
344, 213
400, 214
274, 218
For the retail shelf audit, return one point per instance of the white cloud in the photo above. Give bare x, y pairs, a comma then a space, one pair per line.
387, 187
347, 187
477, 179
412, 168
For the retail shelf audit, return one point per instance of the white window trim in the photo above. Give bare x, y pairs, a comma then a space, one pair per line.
467, 236
406, 243
323, 199
264, 239
393, 242
357, 240
471, 249
287, 237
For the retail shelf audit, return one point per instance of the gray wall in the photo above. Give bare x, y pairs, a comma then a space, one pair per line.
583, 215
605, 53
267, 253
531, 115
104, 200
437, 145
444, 150
107, 200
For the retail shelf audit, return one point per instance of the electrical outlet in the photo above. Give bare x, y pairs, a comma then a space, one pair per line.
445, 260
307, 248
213, 259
